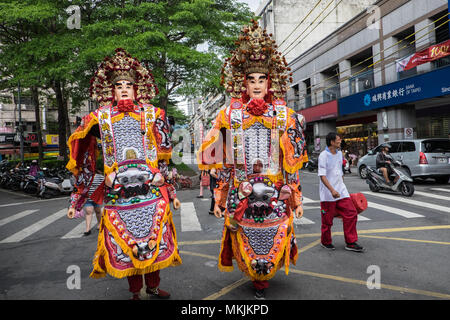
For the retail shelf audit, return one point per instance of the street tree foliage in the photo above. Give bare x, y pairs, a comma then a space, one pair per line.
40, 47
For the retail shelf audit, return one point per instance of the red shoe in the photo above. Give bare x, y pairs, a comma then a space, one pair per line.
161, 294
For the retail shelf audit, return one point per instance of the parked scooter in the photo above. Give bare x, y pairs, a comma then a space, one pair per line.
53, 183
404, 183
311, 165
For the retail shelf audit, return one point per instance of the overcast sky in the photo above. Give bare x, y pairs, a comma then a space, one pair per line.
253, 4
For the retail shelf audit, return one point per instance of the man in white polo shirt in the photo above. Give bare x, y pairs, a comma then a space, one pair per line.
334, 197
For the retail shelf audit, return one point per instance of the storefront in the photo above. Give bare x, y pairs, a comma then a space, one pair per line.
416, 107
358, 135
319, 119
433, 122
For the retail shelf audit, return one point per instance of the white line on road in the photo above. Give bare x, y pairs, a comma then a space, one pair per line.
303, 220
26, 202
440, 189
431, 195
409, 201
308, 200
362, 218
19, 236
16, 216
393, 210
78, 231
189, 220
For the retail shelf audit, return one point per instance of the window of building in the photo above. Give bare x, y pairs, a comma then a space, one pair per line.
442, 34
405, 49
307, 83
362, 75
332, 90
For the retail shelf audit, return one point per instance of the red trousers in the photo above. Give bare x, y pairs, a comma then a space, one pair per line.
151, 281
343, 208
260, 284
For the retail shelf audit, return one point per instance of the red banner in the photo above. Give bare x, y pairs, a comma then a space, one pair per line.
434, 52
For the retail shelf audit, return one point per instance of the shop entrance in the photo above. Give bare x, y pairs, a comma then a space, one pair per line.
358, 135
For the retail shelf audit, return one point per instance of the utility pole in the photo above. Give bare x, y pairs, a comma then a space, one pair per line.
20, 123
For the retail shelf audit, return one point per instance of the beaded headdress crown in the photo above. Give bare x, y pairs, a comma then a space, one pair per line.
122, 66
255, 53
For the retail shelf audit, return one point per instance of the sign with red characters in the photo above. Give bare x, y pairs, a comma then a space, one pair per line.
434, 52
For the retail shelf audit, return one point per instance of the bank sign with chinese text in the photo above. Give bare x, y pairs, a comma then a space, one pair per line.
432, 84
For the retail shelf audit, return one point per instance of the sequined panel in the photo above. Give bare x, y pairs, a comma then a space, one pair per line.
139, 221
260, 239
257, 146
128, 136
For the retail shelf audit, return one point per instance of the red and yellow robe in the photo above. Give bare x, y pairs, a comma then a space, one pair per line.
137, 234
263, 243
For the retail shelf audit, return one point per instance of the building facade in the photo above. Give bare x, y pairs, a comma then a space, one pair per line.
297, 25
356, 80
9, 123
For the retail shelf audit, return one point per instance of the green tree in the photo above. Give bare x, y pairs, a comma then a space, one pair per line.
38, 47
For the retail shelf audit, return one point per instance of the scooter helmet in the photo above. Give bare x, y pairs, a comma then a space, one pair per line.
386, 145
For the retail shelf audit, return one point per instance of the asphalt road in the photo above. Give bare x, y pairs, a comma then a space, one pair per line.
407, 242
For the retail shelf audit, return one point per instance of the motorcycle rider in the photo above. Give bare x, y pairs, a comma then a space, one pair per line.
383, 161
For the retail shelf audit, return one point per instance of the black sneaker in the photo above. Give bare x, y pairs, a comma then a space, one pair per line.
259, 295
354, 247
328, 246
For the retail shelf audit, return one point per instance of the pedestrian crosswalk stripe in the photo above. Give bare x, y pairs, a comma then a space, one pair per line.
431, 195
393, 210
189, 220
303, 220
17, 216
440, 189
362, 218
19, 236
33, 201
410, 201
308, 200
78, 231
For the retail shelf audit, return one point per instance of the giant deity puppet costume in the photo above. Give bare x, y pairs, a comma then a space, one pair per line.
256, 144
137, 235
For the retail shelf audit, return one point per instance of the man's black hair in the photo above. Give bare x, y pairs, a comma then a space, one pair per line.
331, 137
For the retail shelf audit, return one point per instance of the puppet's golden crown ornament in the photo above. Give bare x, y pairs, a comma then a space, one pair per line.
256, 52
122, 66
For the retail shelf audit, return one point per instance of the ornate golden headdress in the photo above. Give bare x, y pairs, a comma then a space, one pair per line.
255, 53
122, 66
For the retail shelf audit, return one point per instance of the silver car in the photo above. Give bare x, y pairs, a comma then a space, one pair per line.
422, 158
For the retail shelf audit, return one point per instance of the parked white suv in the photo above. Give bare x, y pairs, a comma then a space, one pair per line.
423, 158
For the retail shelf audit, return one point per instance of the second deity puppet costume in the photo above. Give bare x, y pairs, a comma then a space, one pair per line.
137, 234
256, 144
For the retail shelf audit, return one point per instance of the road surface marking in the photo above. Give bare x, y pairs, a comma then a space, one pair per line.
19, 236
440, 189
311, 207
78, 231
227, 289
387, 230
189, 220
362, 218
364, 283
431, 195
16, 216
303, 220
308, 200
26, 202
410, 201
393, 210
410, 240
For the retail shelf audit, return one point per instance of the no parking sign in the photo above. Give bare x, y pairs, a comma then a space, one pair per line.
409, 133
